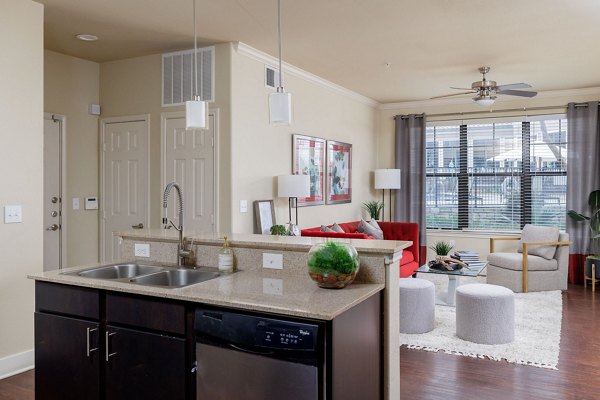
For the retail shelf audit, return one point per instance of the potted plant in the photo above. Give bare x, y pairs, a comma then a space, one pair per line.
594, 226
443, 260
373, 207
332, 264
279, 230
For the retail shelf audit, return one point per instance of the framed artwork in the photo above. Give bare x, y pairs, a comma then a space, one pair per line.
339, 172
264, 216
308, 158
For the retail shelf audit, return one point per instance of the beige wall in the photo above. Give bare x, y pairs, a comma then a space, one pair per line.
21, 163
133, 87
385, 148
70, 85
260, 151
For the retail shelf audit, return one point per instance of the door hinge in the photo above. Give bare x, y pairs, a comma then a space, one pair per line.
212, 219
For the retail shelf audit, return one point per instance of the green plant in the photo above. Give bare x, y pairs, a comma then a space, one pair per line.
442, 248
594, 220
278, 230
373, 207
333, 257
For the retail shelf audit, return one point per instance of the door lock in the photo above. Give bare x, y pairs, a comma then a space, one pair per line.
52, 227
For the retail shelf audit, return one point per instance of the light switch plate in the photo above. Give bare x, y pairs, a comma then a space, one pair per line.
75, 203
272, 261
13, 214
243, 206
142, 250
273, 286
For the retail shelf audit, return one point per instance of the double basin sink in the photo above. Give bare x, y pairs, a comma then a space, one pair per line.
150, 275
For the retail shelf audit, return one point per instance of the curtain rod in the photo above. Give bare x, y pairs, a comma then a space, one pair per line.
523, 109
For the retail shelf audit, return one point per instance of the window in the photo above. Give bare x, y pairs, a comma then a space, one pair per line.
497, 176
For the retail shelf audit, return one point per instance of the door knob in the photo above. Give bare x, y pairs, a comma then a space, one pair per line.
52, 227
138, 226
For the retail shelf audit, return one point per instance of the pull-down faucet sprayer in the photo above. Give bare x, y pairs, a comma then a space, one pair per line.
182, 252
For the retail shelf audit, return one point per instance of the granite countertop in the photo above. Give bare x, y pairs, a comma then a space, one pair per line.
264, 291
297, 243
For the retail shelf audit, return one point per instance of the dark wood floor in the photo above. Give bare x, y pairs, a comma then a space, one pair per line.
427, 376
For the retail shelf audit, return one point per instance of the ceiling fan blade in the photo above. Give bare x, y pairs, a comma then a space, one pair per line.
522, 93
450, 95
513, 86
461, 88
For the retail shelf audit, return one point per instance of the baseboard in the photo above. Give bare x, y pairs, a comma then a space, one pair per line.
16, 363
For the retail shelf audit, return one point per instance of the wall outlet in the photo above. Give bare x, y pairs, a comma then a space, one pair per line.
272, 261
273, 286
142, 250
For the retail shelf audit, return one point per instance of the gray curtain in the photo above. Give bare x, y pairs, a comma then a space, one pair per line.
583, 176
410, 159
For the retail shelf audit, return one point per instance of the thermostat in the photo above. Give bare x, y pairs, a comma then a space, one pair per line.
91, 203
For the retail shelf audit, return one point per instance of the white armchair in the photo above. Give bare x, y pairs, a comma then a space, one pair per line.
542, 265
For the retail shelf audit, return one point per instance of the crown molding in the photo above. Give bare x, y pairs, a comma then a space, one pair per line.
548, 94
251, 52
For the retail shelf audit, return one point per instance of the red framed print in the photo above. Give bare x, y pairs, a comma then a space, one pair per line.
339, 172
308, 158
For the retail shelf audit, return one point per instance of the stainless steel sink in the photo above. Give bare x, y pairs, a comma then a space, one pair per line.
175, 278
120, 271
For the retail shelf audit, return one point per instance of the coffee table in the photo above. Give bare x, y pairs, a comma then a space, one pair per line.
448, 299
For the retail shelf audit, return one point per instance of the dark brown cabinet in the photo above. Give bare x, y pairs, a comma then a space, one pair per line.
92, 344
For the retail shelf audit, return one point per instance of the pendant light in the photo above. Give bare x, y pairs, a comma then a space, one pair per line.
280, 102
195, 109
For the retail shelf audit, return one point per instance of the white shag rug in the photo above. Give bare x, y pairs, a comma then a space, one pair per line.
538, 318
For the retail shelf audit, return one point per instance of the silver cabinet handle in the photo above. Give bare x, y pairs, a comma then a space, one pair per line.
88, 350
108, 353
138, 226
52, 227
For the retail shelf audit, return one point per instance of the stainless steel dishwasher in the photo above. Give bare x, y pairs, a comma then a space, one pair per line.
250, 357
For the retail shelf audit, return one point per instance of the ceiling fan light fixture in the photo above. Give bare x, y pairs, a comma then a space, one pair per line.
484, 101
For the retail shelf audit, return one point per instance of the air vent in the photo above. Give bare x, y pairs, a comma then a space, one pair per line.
271, 77
178, 76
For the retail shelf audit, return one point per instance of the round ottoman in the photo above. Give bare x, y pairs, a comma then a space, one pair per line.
485, 313
417, 305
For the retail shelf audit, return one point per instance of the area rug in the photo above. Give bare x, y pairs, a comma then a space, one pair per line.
538, 317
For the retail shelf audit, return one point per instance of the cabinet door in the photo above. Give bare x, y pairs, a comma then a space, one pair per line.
63, 369
144, 365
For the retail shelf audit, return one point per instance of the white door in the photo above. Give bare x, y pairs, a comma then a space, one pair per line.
189, 159
53, 221
124, 181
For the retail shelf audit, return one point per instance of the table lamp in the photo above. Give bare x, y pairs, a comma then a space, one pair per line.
387, 179
292, 187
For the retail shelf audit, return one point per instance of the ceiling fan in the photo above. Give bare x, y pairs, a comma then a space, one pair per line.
485, 90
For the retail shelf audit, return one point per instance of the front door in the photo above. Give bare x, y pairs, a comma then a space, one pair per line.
124, 181
189, 159
53, 221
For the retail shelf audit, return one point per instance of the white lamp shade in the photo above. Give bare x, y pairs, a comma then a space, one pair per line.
195, 114
484, 101
280, 108
293, 186
387, 179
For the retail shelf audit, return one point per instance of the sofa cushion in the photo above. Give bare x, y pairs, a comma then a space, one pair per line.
325, 228
533, 233
368, 229
374, 224
514, 261
407, 257
336, 228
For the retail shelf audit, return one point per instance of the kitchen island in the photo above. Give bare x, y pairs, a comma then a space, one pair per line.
285, 293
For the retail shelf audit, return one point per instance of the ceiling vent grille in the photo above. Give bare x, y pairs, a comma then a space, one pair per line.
271, 77
178, 76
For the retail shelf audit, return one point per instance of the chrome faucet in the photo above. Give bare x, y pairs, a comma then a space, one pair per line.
182, 252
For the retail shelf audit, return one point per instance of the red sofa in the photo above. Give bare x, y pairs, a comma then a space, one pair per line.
391, 231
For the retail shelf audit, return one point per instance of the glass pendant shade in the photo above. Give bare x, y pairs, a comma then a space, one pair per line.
484, 101
280, 108
195, 114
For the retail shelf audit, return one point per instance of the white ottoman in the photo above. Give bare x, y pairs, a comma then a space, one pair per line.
417, 305
485, 313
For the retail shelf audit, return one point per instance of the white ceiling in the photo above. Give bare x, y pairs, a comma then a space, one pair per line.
431, 44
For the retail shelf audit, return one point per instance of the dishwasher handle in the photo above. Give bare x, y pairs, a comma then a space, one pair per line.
262, 353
